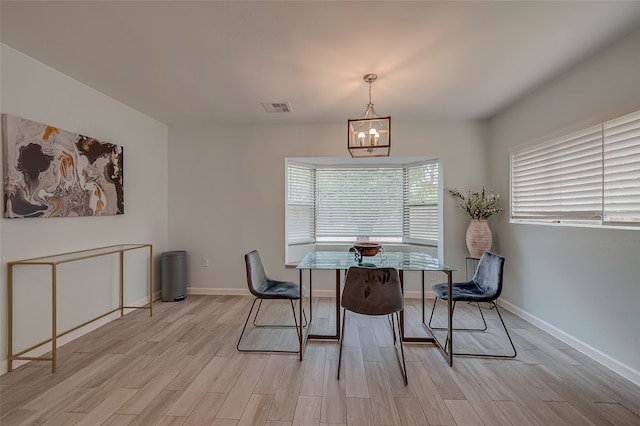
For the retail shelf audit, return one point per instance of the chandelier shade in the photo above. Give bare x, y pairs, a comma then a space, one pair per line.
369, 135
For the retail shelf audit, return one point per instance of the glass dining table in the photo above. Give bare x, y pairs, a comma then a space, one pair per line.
402, 261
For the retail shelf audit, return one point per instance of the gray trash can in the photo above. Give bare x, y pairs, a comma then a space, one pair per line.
174, 276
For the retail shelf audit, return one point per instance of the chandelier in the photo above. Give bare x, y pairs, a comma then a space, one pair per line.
369, 135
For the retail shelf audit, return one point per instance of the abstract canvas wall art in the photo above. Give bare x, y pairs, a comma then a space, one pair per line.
50, 172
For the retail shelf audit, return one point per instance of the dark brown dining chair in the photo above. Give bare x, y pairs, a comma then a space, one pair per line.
264, 288
374, 291
485, 286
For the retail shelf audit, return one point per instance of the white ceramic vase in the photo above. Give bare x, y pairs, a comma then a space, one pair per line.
479, 238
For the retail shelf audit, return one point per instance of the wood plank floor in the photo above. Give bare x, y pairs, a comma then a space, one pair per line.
181, 367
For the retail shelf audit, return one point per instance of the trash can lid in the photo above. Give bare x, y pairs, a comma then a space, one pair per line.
174, 253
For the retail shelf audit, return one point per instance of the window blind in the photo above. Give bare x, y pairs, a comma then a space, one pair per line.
358, 203
421, 191
559, 180
621, 140
300, 215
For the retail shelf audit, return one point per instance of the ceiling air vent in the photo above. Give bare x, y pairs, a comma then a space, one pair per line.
276, 106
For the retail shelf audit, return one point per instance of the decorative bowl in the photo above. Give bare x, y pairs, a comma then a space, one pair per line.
367, 249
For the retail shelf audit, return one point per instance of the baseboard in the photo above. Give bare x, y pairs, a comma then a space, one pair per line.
208, 291
599, 356
63, 340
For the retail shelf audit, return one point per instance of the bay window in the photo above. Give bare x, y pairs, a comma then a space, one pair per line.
338, 203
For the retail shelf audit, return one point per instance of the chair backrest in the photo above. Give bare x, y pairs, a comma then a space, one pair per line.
256, 276
488, 276
372, 291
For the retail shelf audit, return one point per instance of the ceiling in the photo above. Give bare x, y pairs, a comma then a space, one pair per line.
184, 62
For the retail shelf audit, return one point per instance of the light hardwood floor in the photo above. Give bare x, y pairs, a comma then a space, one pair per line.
181, 367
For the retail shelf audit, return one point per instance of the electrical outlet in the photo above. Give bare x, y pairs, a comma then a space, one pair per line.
432, 276
205, 262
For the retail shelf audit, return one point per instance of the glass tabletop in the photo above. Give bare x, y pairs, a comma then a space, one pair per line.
404, 261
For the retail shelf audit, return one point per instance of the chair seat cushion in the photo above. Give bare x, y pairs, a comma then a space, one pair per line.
272, 289
465, 292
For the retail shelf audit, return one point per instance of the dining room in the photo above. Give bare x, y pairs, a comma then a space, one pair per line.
215, 186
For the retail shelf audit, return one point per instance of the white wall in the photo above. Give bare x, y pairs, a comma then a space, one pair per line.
32, 90
227, 193
583, 283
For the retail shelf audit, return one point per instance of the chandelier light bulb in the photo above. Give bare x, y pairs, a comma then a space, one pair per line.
373, 136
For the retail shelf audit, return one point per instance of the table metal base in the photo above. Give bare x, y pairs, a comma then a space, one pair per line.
447, 351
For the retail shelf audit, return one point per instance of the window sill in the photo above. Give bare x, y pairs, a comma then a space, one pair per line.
575, 225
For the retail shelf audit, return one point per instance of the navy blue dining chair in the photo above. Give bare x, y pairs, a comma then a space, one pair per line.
264, 288
485, 286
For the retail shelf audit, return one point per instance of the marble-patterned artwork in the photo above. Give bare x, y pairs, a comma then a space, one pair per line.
50, 172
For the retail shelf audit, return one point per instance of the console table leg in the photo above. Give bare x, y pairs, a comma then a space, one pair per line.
54, 314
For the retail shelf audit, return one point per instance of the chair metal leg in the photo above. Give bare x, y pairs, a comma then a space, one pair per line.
269, 326
433, 309
390, 318
245, 324
403, 366
257, 312
255, 318
453, 309
344, 317
304, 314
394, 322
484, 322
495, 305
492, 305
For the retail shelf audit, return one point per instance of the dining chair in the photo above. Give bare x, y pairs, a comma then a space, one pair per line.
374, 291
264, 288
485, 286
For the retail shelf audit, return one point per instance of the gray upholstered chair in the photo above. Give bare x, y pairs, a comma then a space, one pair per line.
485, 286
374, 291
262, 287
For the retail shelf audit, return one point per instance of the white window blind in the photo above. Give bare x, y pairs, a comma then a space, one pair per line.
622, 170
300, 204
344, 204
421, 191
357, 203
559, 180
591, 176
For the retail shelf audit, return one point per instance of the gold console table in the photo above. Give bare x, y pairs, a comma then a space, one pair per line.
53, 261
